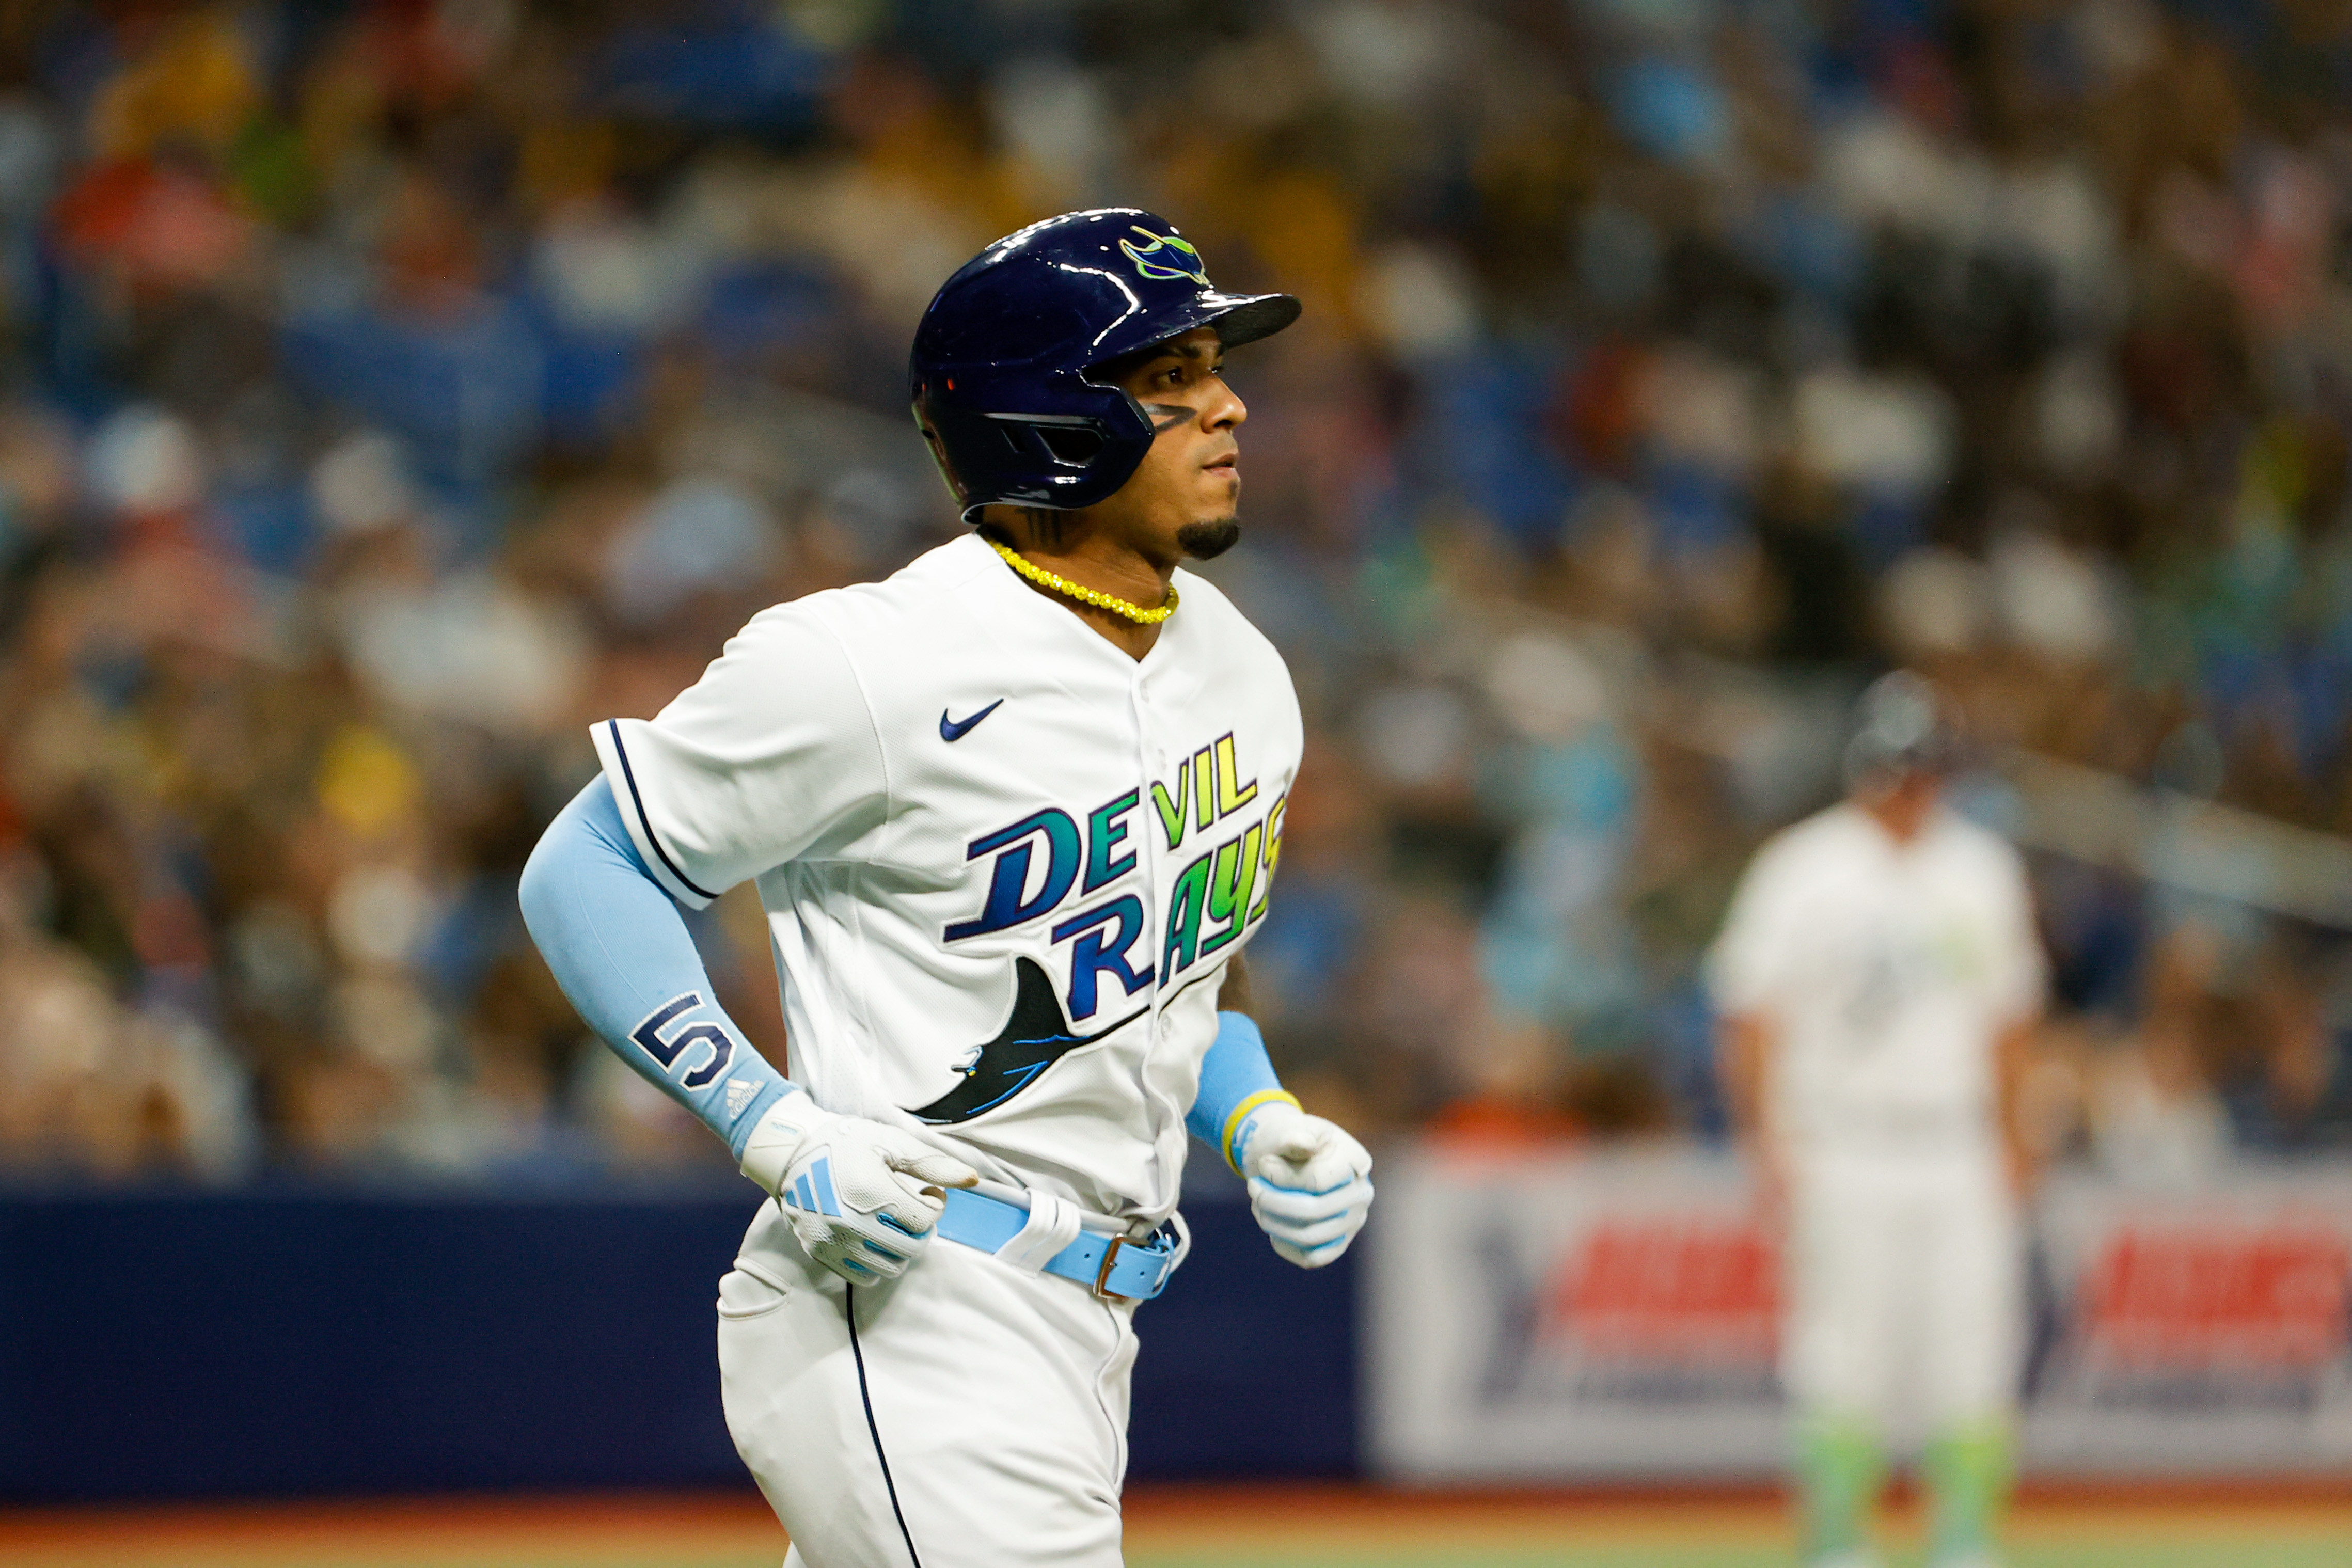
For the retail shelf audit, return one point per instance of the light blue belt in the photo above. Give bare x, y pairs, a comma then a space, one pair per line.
1112, 1266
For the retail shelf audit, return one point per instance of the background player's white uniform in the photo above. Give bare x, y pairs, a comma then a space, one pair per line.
1887, 972
942, 782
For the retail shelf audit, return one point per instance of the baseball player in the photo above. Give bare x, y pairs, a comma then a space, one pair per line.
1878, 978
1014, 814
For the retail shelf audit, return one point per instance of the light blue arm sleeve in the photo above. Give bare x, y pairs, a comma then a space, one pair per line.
1236, 1078
623, 955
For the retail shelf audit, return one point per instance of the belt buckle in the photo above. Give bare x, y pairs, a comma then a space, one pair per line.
1102, 1275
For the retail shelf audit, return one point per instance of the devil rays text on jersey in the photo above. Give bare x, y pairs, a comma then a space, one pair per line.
1217, 895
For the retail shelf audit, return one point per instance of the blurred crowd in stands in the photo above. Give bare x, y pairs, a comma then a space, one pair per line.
390, 388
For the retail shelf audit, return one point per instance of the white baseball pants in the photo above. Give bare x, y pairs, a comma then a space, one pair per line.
1903, 1284
967, 1415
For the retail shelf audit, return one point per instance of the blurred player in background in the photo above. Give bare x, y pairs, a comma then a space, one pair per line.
1879, 977
1014, 814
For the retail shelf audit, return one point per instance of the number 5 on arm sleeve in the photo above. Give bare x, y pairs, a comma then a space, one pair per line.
621, 951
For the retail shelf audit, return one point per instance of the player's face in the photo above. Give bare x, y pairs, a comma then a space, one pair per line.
1183, 498
1902, 800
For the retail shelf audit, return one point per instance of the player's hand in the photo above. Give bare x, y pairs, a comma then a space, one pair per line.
863, 1197
1309, 1182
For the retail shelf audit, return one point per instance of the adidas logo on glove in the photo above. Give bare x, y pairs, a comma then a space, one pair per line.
862, 1198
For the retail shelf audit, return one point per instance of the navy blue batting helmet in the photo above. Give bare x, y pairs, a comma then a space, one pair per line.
1000, 368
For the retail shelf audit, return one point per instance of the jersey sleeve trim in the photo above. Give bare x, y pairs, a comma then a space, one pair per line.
615, 757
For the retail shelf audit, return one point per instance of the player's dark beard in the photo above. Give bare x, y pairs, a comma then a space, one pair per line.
1206, 541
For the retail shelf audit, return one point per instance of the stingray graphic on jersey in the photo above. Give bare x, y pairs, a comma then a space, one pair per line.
1035, 1037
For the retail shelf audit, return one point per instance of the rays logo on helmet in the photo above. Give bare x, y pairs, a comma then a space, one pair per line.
1166, 271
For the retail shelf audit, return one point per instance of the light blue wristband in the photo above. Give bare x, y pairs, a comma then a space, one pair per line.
1236, 1078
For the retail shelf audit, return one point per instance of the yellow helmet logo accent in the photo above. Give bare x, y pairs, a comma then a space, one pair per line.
1173, 250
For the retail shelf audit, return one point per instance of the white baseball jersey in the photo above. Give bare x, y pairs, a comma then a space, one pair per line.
1003, 861
1887, 971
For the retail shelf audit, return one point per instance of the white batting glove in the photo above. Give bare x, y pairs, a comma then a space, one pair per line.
1309, 1182
862, 1198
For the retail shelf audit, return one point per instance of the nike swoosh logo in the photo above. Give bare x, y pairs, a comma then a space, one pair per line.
954, 729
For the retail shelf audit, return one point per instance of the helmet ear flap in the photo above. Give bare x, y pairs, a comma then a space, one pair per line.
1071, 441
1074, 447
1067, 460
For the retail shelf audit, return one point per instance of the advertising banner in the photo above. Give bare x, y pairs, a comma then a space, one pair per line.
2198, 1332
1581, 1316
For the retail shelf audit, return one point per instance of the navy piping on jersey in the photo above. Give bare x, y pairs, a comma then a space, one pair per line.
849, 1311
629, 774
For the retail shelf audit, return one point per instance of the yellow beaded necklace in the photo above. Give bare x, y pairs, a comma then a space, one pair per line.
1083, 594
